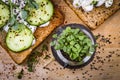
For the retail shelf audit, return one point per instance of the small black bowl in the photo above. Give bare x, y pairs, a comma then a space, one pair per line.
63, 60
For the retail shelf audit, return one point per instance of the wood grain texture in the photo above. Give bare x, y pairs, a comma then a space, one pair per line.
105, 65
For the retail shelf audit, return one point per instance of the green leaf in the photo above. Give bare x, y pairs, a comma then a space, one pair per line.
15, 26
76, 31
14, 5
94, 2
68, 38
30, 69
81, 37
36, 6
57, 47
32, 4
88, 54
73, 56
72, 43
81, 62
12, 20
24, 14
77, 46
83, 51
68, 29
92, 49
81, 54
72, 37
68, 49
54, 36
65, 49
53, 43
74, 49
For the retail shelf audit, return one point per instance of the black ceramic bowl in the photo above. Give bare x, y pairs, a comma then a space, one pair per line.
63, 60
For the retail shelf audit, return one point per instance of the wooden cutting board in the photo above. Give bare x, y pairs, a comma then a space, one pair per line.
104, 66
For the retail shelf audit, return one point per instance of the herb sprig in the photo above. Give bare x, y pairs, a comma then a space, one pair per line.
32, 4
32, 60
13, 22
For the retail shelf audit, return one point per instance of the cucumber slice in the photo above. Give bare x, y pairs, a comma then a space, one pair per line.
42, 15
20, 39
4, 13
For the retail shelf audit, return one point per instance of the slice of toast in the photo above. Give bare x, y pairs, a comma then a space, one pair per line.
40, 34
97, 16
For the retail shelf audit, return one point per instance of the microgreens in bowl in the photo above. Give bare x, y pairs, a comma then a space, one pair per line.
73, 44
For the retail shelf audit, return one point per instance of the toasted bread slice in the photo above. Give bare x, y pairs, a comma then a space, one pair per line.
40, 34
97, 16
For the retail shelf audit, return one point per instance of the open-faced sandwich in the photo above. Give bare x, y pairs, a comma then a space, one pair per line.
25, 24
94, 12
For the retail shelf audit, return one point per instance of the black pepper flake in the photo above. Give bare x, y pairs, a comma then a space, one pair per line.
56, 68
43, 79
46, 68
118, 55
109, 56
109, 60
83, 76
119, 4
97, 57
29, 77
100, 73
110, 66
99, 47
47, 14
95, 68
102, 69
109, 35
114, 37
61, 68
81, 69
73, 72
103, 49
14, 67
90, 75
67, 76
82, 73
117, 64
65, 22
52, 70
93, 63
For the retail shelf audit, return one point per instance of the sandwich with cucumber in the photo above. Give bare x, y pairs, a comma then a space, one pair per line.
94, 12
24, 24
